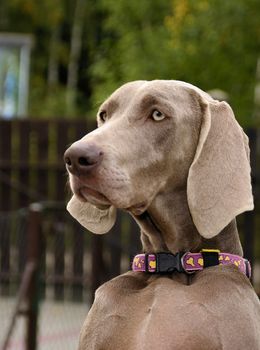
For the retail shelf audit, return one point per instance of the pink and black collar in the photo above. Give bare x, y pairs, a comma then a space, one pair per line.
188, 262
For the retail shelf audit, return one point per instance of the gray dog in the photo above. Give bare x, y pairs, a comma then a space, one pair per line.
178, 162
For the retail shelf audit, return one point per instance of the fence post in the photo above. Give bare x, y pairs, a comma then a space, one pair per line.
59, 266
134, 244
249, 217
97, 263
116, 248
78, 262
33, 256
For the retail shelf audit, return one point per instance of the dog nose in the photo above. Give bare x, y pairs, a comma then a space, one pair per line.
81, 158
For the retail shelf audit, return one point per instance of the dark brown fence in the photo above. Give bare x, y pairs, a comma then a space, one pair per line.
31, 160
73, 262
41, 245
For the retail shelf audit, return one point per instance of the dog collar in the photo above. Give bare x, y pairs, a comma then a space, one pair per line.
188, 262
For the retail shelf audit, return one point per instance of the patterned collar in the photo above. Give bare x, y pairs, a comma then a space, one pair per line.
188, 262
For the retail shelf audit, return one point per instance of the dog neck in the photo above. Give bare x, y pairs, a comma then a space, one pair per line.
167, 226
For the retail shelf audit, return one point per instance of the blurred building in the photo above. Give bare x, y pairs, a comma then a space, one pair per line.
15, 50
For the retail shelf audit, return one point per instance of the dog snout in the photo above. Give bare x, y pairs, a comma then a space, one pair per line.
80, 158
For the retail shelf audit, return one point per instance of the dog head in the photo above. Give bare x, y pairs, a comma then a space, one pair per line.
153, 137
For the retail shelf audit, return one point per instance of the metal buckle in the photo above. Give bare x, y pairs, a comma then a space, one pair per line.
248, 268
168, 262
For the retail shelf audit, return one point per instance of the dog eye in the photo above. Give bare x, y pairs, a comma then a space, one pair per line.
157, 115
103, 115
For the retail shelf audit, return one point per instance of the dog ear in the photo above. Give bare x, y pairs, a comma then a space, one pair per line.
96, 220
219, 183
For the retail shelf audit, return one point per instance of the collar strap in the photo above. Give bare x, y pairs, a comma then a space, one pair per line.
188, 262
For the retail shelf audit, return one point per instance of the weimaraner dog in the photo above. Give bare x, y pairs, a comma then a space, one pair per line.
178, 162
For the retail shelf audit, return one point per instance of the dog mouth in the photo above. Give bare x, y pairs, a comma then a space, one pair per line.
94, 197
102, 202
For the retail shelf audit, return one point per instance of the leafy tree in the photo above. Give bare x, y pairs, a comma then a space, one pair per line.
134, 44
57, 52
85, 49
209, 43
216, 45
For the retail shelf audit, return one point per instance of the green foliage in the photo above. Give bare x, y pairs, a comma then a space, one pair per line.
210, 43
216, 45
51, 102
135, 45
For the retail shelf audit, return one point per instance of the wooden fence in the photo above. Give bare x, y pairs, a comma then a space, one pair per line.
73, 262
32, 170
31, 160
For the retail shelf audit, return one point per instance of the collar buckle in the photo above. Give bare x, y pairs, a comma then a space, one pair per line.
168, 262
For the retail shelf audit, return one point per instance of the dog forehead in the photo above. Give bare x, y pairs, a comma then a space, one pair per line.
127, 91
168, 88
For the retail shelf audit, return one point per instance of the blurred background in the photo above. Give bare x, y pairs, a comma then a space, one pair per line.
58, 61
